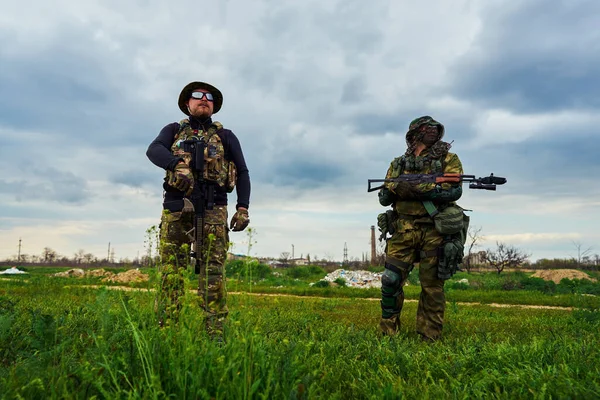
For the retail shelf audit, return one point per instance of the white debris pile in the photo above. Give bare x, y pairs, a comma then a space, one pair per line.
12, 271
358, 279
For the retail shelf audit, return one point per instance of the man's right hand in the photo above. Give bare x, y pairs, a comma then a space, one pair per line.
182, 178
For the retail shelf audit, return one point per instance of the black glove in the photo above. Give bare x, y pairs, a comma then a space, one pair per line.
385, 223
386, 197
404, 190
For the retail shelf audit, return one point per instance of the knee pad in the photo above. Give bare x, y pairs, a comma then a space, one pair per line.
391, 290
390, 281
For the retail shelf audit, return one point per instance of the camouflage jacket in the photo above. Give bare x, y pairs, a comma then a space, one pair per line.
422, 164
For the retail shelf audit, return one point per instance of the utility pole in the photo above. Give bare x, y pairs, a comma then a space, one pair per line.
108, 253
292, 252
19, 256
373, 249
345, 254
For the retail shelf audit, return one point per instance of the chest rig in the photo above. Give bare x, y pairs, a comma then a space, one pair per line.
433, 162
417, 165
216, 169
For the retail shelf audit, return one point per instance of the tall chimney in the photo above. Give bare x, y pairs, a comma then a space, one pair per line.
373, 249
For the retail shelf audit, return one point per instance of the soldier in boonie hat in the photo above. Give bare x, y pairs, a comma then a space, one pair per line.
200, 87
224, 168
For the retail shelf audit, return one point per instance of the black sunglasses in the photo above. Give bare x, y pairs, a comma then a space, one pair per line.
200, 95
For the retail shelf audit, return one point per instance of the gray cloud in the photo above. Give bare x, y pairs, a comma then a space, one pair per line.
52, 185
525, 60
134, 178
305, 173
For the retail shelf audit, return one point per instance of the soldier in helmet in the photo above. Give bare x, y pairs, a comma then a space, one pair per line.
224, 167
414, 238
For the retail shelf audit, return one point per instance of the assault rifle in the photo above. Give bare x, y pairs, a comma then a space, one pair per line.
486, 183
202, 197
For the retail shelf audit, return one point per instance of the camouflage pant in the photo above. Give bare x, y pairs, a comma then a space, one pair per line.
176, 235
415, 240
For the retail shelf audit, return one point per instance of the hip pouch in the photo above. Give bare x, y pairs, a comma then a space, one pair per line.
453, 224
451, 220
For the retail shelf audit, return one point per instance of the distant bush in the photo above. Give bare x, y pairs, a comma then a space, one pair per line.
305, 272
538, 284
250, 269
458, 285
512, 284
321, 283
315, 270
579, 286
340, 281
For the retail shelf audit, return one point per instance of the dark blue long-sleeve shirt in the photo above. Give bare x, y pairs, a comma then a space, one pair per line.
159, 152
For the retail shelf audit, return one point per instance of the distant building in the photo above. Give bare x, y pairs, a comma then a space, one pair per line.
476, 258
299, 261
231, 256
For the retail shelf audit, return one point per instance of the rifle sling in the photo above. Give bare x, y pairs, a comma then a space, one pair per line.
431, 208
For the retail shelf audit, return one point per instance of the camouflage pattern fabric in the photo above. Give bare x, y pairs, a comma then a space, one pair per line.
415, 239
216, 168
412, 235
176, 237
427, 166
211, 284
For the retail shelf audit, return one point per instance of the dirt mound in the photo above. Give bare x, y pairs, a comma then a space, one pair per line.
72, 273
556, 275
99, 272
133, 275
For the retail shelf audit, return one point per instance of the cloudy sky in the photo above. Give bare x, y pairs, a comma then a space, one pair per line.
320, 94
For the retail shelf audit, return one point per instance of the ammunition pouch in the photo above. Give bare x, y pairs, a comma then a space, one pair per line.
453, 224
450, 220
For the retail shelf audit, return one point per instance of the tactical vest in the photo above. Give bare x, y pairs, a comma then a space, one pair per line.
216, 168
425, 164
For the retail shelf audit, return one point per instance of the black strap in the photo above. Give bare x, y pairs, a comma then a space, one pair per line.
394, 265
429, 253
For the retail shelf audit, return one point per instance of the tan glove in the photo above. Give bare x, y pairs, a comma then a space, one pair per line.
240, 220
182, 178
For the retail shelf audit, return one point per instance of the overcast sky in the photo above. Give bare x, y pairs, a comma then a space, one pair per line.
320, 94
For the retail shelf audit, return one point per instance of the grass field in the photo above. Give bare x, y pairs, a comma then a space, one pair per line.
59, 339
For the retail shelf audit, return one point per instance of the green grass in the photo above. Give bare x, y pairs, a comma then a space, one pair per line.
74, 342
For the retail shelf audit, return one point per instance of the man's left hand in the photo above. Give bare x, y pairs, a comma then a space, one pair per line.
240, 220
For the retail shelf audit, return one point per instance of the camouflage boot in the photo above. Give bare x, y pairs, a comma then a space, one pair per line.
390, 326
